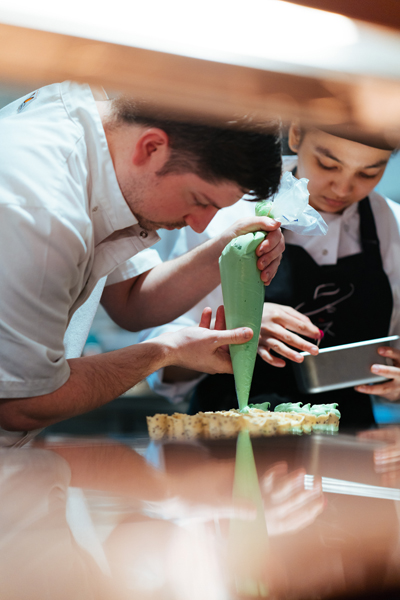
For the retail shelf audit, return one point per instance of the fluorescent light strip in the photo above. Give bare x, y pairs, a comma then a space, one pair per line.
350, 488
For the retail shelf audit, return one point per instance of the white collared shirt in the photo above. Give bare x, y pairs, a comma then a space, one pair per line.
342, 239
64, 228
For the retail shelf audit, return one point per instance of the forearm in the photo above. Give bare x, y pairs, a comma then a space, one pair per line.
179, 284
93, 382
172, 288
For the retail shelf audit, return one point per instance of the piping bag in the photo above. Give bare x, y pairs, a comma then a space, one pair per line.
242, 288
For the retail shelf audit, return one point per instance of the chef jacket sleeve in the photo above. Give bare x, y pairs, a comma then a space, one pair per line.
138, 264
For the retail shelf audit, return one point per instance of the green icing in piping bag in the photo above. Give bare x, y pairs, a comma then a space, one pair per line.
243, 294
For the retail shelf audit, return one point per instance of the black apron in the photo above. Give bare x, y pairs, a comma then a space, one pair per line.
350, 301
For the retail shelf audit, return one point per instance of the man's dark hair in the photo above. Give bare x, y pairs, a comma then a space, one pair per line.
240, 151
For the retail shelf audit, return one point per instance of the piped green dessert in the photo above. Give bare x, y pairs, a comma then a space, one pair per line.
247, 409
319, 417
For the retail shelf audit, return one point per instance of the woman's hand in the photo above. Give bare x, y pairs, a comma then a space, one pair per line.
387, 456
389, 453
279, 328
390, 390
289, 507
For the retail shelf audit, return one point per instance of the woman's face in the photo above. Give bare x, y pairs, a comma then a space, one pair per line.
340, 172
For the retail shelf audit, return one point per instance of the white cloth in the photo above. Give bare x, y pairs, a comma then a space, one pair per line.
64, 227
342, 239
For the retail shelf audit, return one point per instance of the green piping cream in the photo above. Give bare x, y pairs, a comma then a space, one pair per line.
264, 406
316, 409
243, 294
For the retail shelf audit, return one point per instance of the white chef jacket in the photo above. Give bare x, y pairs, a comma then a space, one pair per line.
64, 229
342, 239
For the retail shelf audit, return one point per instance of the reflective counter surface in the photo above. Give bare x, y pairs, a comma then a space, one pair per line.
285, 517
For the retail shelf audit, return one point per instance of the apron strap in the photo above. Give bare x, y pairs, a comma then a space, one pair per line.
369, 237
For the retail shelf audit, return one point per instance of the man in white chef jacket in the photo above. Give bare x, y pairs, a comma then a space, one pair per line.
83, 188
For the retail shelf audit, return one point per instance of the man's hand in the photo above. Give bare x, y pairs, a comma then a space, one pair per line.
269, 251
279, 327
390, 390
203, 349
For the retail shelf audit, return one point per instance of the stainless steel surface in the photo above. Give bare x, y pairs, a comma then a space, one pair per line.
340, 367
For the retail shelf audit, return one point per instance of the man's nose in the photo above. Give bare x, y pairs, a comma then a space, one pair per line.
199, 219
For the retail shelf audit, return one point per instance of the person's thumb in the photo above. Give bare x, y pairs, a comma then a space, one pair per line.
235, 336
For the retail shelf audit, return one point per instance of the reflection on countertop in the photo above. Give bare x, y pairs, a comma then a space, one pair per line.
284, 517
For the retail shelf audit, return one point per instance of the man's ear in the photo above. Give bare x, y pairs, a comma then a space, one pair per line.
294, 136
152, 147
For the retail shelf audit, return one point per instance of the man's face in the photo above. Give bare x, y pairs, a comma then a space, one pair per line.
340, 172
175, 200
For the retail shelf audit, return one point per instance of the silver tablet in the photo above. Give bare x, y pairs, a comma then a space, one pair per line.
341, 366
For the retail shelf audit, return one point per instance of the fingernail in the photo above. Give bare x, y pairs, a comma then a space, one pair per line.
376, 369
321, 335
267, 277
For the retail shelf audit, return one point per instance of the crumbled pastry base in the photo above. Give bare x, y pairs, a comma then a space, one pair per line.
227, 424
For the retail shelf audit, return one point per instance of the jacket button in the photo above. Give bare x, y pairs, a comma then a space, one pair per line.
143, 234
